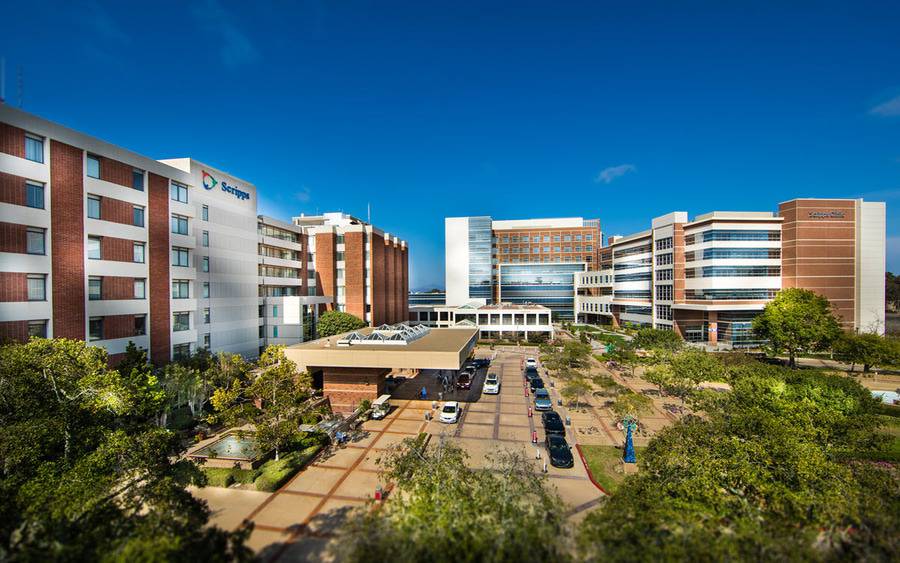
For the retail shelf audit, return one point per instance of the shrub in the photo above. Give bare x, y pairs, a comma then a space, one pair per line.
273, 474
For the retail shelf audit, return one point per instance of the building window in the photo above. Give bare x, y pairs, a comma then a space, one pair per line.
140, 325
138, 252
37, 329
206, 290
179, 224
95, 288
94, 248
205, 238
340, 239
275, 311
93, 207
179, 192
204, 264
137, 179
588, 237
664, 293
138, 218
663, 275
262, 331
181, 289
37, 287
205, 213
93, 166
577, 238
664, 312
34, 242
181, 351
664, 243
34, 148
95, 328
206, 340
567, 238
180, 256
206, 316
140, 288
275, 331
181, 322
663, 259
34, 194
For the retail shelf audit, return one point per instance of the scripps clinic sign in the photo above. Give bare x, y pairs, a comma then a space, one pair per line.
209, 182
826, 214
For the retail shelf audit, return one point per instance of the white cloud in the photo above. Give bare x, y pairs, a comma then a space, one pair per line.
890, 108
235, 48
607, 175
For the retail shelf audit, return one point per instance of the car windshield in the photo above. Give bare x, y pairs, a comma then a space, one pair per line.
464, 377
449, 408
557, 442
552, 417
541, 394
491, 380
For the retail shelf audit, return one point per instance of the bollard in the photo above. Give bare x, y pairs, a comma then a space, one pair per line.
379, 493
526, 390
559, 402
568, 421
529, 412
534, 436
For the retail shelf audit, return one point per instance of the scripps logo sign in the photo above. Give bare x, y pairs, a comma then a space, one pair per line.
826, 214
209, 183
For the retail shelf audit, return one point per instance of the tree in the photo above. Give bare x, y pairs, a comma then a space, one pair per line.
657, 339
866, 349
192, 382
337, 322
626, 356
86, 475
797, 321
571, 355
631, 405
450, 512
892, 290
575, 389
273, 400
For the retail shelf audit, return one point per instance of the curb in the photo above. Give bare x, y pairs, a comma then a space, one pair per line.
588, 469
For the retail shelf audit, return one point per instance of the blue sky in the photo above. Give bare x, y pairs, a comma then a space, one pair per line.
620, 111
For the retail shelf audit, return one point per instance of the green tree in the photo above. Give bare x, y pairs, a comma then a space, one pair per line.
85, 475
654, 338
631, 405
625, 356
797, 321
337, 322
575, 389
192, 382
448, 511
892, 289
273, 399
866, 349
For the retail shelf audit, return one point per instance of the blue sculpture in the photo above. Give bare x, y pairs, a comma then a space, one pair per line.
629, 447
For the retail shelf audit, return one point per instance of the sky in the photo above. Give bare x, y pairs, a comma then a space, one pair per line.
621, 111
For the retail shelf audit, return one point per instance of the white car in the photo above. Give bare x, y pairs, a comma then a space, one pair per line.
530, 363
450, 412
491, 384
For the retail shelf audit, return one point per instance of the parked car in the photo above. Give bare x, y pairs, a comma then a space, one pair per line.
542, 401
531, 373
491, 384
530, 363
536, 383
464, 380
560, 451
450, 412
553, 424
481, 362
381, 406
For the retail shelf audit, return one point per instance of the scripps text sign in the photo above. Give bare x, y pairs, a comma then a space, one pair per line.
834, 214
209, 182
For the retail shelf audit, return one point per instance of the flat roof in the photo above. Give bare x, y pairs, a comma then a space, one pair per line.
441, 348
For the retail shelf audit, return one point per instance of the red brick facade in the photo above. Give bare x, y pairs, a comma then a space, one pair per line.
159, 287
117, 287
13, 287
117, 249
13, 331
12, 140
325, 276
67, 242
116, 210
346, 388
379, 282
12, 189
118, 326
354, 273
115, 171
13, 238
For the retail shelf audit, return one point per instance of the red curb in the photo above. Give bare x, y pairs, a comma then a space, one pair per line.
588, 469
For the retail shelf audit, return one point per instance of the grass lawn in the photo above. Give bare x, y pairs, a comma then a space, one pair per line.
223, 477
273, 474
603, 462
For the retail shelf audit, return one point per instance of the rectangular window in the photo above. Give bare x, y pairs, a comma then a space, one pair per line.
664, 243
179, 224
204, 264
524, 238
37, 329
94, 248
181, 322
138, 252
140, 288
546, 238
275, 331
339, 257
95, 288
663, 259
205, 238
206, 316
664, 293
140, 325
179, 192
34, 194
34, 148
275, 311
206, 290
137, 179
577, 238
339, 239
567, 238
206, 340
180, 257
181, 351
138, 218
37, 287
262, 331
93, 207
93, 166
663, 275
205, 213
181, 289
588, 237
95, 328
35, 241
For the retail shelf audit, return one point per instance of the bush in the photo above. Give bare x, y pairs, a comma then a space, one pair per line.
337, 322
225, 477
180, 419
273, 474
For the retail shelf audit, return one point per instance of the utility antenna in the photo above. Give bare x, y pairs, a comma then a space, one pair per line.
369, 213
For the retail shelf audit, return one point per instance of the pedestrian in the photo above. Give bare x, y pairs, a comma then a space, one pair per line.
440, 396
424, 393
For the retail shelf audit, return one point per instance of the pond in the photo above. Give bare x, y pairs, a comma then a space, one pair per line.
228, 450
887, 397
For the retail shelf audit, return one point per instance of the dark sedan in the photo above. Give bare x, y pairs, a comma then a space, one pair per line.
464, 381
536, 383
553, 424
531, 373
481, 362
560, 452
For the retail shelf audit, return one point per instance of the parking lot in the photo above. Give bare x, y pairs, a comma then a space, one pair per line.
296, 522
